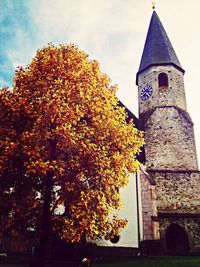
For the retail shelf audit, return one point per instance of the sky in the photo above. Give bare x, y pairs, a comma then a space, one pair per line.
112, 32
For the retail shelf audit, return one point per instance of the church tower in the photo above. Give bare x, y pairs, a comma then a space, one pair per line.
170, 151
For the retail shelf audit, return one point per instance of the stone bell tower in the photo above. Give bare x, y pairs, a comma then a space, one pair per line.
170, 150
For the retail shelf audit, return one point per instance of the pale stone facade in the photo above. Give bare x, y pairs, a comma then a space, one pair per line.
171, 95
167, 125
171, 143
177, 191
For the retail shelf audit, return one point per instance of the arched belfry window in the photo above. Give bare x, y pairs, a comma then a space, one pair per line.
163, 80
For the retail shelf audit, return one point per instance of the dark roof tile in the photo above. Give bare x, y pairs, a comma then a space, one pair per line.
158, 49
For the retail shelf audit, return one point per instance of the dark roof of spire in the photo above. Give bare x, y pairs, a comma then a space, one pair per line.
158, 49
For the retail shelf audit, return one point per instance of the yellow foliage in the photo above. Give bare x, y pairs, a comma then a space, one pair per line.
68, 104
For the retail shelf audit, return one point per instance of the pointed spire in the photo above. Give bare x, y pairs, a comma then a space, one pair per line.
158, 49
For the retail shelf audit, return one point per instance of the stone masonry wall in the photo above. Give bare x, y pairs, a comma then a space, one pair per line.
170, 142
190, 224
149, 208
173, 95
177, 192
178, 200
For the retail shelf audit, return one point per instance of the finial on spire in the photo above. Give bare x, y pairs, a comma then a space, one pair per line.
153, 5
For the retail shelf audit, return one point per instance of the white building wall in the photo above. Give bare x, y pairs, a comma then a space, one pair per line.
129, 236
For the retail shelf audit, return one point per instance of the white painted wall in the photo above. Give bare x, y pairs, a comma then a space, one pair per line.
129, 235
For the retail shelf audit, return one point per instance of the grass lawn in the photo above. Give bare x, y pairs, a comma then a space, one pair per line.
153, 262
126, 262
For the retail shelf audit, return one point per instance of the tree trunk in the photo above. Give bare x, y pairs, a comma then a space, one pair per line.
45, 224
41, 253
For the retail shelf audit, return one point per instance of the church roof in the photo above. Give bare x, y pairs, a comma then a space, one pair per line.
158, 49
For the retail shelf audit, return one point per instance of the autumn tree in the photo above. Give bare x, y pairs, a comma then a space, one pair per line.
64, 141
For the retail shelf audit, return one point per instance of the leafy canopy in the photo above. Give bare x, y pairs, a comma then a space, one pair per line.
62, 98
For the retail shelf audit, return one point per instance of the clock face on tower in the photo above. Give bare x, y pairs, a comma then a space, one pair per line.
146, 92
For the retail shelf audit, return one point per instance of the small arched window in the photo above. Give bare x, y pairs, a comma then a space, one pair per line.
163, 80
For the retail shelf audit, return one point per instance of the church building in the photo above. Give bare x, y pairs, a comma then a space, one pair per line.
173, 214
166, 215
